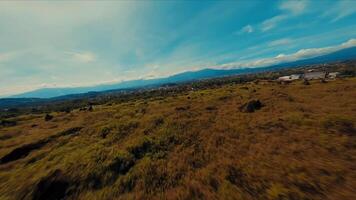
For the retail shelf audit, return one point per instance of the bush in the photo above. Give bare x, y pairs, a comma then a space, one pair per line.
5, 122
48, 117
122, 163
251, 106
141, 148
104, 132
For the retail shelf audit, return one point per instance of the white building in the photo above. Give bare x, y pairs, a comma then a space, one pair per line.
289, 78
333, 75
314, 75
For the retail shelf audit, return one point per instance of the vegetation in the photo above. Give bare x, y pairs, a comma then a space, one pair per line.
248, 140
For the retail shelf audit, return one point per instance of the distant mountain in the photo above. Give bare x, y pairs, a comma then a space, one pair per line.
343, 54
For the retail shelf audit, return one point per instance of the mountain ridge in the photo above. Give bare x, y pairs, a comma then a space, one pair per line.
344, 54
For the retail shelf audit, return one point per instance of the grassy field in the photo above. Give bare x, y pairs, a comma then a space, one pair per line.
204, 144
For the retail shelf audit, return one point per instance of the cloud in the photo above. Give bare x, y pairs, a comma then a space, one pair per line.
289, 9
246, 29
6, 56
272, 22
301, 54
294, 7
280, 42
341, 10
84, 57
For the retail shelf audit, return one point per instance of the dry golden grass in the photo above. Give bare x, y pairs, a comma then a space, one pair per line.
196, 145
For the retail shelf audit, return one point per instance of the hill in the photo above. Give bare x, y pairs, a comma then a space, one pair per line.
296, 142
345, 54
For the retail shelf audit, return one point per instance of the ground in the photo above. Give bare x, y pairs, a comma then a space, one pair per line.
300, 143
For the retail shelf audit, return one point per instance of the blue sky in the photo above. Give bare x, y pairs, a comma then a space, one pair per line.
68, 44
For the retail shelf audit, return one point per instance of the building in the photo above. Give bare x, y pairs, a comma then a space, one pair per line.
284, 78
296, 76
314, 75
289, 78
333, 75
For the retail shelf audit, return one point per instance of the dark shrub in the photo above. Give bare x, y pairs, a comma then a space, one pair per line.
340, 125
104, 132
5, 122
52, 187
5, 137
251, 106
235, 176
183, 108
66, 110
22, 151
48, 117
122, 163
210, 108
140, 149
159, 121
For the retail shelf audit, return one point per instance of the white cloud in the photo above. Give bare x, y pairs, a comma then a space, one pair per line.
301, 54
6, 56
294, 7
246, 29
10, 55
280, 42
84, 57
272, 22
341, 10
289, 9
151, 75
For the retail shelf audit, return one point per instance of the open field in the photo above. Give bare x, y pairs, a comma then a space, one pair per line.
203, 144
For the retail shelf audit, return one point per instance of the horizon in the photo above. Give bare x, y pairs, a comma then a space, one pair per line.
79, 44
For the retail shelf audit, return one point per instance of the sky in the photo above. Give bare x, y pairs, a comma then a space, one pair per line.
83, 43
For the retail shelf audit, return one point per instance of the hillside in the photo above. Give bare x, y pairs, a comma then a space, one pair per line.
299, 143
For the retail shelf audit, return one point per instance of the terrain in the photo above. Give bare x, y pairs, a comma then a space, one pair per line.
251, 139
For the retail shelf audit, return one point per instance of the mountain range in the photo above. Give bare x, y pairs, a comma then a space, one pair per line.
344, 54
